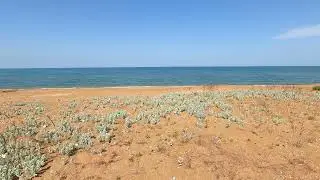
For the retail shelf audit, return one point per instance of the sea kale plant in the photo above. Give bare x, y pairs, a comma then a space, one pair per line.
19, 157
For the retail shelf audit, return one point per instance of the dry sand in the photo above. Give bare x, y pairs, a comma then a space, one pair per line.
259, 149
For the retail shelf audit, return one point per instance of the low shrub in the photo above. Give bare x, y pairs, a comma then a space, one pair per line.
316, 88
83, 140
104, 132
19, 158
65, 127
68, 148
50, 137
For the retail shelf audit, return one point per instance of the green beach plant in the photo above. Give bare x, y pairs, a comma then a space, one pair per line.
19, 158
83, 140
316, 88
51, 137
68, 148
65, 127
104, 131
39, 109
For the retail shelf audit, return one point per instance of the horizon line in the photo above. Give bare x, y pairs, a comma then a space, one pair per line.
107, 67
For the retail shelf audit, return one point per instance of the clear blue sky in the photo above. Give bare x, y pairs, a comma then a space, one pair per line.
77, 33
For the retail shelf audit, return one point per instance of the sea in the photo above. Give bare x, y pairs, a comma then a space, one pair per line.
156, 76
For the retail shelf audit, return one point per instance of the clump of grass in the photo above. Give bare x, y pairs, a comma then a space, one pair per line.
316, 88
186, 136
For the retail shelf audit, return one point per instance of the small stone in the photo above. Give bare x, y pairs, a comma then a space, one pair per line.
180, 161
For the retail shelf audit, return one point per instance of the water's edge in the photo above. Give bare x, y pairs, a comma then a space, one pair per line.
154, 77
160, 87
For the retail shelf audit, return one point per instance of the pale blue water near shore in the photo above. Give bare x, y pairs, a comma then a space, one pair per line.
156, 76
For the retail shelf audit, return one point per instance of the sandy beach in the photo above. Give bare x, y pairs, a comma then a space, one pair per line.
160, 90
191, 132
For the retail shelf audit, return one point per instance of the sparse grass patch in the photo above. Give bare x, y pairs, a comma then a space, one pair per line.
278, 120
186, 136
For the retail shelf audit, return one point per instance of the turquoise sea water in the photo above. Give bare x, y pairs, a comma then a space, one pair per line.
156, 76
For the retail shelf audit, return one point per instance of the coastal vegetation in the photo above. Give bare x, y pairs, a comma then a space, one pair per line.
316, 88
39, 131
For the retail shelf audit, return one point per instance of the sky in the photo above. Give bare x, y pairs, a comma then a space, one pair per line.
144, 33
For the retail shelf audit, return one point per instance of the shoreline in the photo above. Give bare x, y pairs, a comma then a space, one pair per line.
158, 87
138, 90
